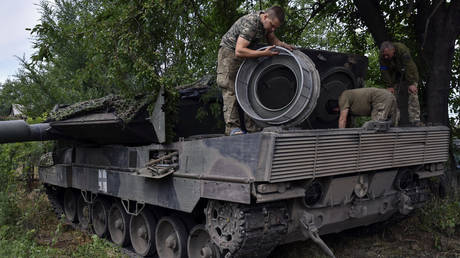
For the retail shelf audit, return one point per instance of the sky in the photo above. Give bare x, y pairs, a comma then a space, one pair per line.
15, 17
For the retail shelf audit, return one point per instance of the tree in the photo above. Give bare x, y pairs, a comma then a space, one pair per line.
432, 29
89, 48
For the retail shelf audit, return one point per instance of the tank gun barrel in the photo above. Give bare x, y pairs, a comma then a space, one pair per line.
20, 131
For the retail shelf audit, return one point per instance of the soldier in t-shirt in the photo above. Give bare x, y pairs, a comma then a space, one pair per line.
379, 104
247, 31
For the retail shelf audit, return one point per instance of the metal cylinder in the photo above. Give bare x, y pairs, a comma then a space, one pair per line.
20, 131
281, 90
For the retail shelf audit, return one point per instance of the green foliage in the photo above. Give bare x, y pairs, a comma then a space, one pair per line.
35, 210
210, 108
23, 215
86, 49
97, 247
19, 226
454, 94
9, 211
23, 246
441, 215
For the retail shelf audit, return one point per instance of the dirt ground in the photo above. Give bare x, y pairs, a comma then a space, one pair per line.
402, 239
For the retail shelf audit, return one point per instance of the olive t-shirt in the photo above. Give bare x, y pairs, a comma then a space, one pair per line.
360, 101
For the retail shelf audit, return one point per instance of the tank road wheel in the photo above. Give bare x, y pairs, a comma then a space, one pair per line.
83, 212
70, 205
119, 224
171, 238
142, 232
199, 244
100, 217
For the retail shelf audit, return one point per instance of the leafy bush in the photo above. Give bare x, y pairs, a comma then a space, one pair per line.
442, 215
25, 246
9, 211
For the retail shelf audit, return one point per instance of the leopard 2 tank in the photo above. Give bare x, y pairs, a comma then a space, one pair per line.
209, 195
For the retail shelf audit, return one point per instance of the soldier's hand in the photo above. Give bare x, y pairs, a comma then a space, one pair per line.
291, 48
412, 89
268, 51
392, 90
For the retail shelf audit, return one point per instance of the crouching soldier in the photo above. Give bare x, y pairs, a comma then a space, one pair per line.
379, 104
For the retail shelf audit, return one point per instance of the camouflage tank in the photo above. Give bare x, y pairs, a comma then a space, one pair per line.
210, 195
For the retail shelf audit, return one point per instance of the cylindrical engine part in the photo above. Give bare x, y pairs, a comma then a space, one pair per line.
20, 131
281, 90
333, 82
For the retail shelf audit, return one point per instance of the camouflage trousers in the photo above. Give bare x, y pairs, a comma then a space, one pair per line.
386, 108
227, 68
413, 105
413, 108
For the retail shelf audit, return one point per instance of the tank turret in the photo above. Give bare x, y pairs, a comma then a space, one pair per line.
109, 120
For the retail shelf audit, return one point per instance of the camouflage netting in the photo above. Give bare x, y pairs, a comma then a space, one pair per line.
124, 108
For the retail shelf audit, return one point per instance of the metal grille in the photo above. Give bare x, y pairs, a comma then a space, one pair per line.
298, 156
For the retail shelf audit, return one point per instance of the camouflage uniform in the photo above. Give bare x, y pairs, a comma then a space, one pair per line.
380, 104
399, 73
250, 28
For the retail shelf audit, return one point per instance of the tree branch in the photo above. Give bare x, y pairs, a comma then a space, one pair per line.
455, 12
316, 11
428, 22
195, 10
370, 13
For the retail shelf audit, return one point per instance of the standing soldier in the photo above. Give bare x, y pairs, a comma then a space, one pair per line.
377, 103
400, 76
235, 45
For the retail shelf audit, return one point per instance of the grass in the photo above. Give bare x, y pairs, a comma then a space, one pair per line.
29, 228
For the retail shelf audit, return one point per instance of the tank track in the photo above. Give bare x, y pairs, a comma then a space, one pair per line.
53, 197
253, 231
54, 201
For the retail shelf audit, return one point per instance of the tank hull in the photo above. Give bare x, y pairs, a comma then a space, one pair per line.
275, 179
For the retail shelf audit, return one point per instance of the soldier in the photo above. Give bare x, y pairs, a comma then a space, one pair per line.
399, 73
235, 45
377, 103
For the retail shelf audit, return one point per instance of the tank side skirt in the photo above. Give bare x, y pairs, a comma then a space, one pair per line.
174, 193
59, 175
179, 193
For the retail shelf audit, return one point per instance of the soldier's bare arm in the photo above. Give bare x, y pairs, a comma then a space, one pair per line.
343, 118
413, 88
273, 40
242, 50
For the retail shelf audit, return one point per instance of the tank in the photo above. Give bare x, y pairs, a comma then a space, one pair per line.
210, 195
